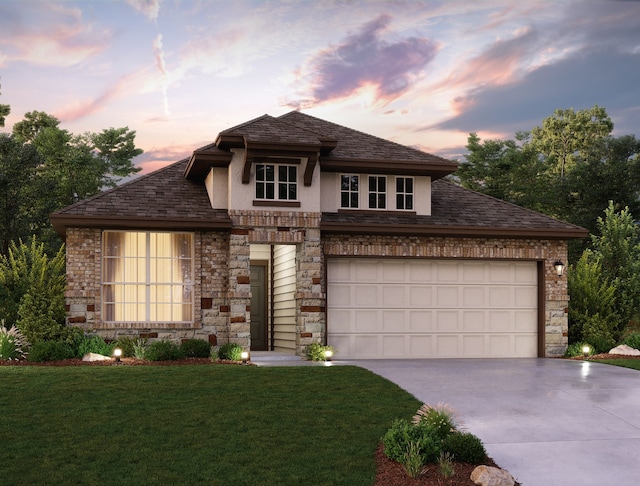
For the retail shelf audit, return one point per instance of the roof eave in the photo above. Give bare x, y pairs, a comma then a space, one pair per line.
61, 222
435, 170
457, 231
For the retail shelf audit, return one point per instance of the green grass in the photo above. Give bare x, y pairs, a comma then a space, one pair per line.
213, 425
625, 363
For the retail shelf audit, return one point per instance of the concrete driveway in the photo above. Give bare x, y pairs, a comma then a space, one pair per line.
549, 422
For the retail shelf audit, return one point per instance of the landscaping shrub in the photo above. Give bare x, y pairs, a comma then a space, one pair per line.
126, 344
95, 344
464, 447
633, 339
575, 349
230, 351
445, 465
316, 352
164, 350
196, 348
398, 439
441, 418
50, 351
13, 344
140, 347
599, 332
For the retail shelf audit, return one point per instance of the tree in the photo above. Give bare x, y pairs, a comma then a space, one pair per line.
4, 112
568, 136
44, 168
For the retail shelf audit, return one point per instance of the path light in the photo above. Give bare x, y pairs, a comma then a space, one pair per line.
586, 349
328, 354
117, 353
244, 356
559, 266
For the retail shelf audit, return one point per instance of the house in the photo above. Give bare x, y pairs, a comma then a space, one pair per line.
291, 230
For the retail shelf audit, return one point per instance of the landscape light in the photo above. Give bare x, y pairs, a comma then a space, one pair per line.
117, 353
328, 354
586, 349
245, 357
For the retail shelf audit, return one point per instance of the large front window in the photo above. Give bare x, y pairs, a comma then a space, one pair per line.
270, 177
147, 277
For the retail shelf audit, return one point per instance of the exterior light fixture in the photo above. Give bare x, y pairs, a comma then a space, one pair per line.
117, 354
586, 349
559, 266
328, 354
244, 356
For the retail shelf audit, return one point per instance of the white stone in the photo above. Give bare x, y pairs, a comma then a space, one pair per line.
95, 357
491, 476
625, 350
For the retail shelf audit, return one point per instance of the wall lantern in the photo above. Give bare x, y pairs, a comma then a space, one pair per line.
559, 266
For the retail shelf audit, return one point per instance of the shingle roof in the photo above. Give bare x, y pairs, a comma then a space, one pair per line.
163, 198
455, 211
267, 129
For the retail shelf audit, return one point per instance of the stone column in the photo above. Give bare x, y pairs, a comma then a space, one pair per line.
239, 288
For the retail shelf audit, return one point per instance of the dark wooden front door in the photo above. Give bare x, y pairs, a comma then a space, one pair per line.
258, 307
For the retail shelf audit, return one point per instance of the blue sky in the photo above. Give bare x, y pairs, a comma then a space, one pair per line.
422, 73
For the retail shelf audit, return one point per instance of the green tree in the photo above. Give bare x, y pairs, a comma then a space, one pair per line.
32, 290
4, 112
47, 168
618, 249
568, 136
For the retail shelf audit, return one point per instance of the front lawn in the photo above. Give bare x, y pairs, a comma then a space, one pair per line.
633, 363
214, 425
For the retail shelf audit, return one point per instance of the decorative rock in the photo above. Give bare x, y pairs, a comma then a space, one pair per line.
625, 350
95, 357
491, 476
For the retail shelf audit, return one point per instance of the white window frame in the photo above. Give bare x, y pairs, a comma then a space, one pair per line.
404, 196
352, 194
377, 193
144, 292
280, 181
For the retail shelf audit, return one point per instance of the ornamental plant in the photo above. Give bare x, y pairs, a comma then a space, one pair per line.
464, 447
404, 437
13, 344
317, 352
230, 352
442, 419
164, 350
196, 348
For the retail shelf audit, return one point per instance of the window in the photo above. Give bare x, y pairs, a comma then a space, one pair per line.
349, 191
404, 193
377, 192
147, 277
284, 177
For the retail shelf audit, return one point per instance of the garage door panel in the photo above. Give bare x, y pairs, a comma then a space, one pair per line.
403, 308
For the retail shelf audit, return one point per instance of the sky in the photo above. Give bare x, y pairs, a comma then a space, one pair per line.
422, 73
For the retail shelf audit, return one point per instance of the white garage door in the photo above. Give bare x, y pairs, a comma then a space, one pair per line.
407, 308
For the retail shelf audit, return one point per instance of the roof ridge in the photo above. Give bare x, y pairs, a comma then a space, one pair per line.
293, 112
112, 189
244, 124
502, 201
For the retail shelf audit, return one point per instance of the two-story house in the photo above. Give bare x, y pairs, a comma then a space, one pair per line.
291, 230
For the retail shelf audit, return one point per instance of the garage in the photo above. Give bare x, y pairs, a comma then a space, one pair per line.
422, 308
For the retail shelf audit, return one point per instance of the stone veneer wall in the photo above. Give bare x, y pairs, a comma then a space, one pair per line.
211, 274
278, 227
556, 298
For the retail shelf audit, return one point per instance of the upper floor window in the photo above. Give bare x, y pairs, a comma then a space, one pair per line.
349, 191
270, 177
404, 193
147, 276
377, 192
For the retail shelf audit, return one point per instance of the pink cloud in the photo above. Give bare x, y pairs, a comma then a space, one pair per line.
366, 60
149, 8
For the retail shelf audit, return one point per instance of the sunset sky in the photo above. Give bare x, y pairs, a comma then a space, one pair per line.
421, 73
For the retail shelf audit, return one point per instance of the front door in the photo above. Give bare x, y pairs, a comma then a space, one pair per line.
258, 307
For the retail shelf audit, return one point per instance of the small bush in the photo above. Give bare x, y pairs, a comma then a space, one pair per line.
95, 344
214, 353
316, 352
13, 344
402, 433
575, 349
230, 351
632, 339
464, 447
196, 348
441, 418
126, 344
140, 347
164, 350
598, 331
50, 351
445, 465
412, 461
